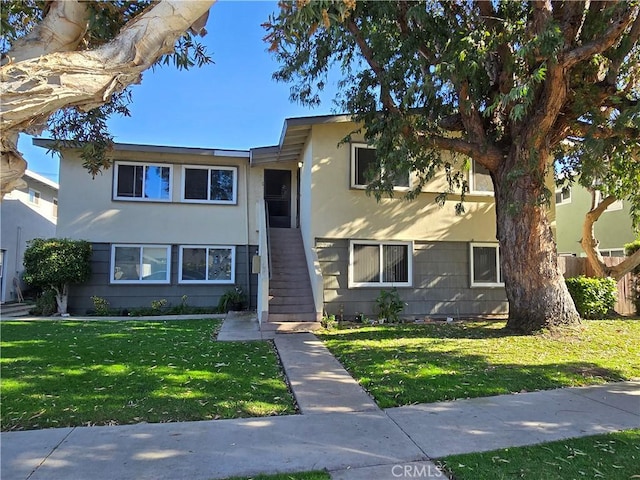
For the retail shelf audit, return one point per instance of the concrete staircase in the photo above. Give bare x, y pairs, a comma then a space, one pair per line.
291, 306
12, 310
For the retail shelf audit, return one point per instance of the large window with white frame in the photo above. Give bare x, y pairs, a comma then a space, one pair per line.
140, 264
376, 264
207, 264
206, 184
485, 265
480, 179
363, 168
142, 182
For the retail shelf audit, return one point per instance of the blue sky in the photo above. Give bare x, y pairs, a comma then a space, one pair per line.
232, 103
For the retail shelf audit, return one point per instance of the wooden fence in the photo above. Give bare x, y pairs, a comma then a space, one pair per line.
574, 266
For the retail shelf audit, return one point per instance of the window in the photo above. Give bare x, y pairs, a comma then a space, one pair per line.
34, 197
140, 264
364, 165
207, 264
55, 207
617, 205
485, 265
563, 196
210, 184
380, 264
480, 179
146, 182
612, 252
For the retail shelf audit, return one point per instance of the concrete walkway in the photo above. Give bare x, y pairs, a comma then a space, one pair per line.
340, 430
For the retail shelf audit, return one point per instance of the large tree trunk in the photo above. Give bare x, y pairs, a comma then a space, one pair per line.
537, 294
33, 87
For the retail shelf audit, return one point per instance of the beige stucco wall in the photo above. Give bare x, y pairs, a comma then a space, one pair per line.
87, 210
613, 228
337, 211
256, 191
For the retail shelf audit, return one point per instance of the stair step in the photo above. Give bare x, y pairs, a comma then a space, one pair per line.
291, 326
293, 309
12, 310
289, 300
292, 317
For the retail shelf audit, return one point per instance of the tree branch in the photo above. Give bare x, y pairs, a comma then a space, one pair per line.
602, 43
589, 242
33, 89
369, 56
60, 31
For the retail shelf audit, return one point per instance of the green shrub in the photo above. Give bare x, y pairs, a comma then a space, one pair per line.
593, 297
389, 305
101, 306
45, 304
233, 299
328, 322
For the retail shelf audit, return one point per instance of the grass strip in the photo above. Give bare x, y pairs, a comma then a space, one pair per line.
406, 364
611, 456
65, 373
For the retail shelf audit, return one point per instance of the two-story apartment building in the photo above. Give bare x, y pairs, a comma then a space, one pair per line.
171, 221
26, 213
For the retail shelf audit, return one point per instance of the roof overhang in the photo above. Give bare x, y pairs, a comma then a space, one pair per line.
294, 136
39, 178
134, 147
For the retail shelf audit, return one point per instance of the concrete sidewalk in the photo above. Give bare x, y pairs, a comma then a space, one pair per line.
340, 430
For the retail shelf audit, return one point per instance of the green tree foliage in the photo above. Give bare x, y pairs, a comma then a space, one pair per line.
56, 263
512, 85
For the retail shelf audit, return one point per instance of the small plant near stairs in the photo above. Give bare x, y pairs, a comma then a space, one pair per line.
329, 322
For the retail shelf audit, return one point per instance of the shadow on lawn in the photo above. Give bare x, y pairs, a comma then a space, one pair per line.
69, 374
406, 364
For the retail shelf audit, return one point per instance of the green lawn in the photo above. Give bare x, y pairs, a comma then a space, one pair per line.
65, 373
407, 363
613, 456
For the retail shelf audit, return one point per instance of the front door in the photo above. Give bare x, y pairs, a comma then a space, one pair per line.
277, 195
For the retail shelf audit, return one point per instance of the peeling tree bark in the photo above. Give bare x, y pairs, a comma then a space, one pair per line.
35, 87
590, 243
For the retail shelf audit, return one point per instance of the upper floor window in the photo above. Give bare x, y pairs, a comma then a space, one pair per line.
563, 195
480, 179
210, 184
139, 181
617, 205
485, 265
207, 264
375, 264
34, 197
140, 263
363, 168
54, 207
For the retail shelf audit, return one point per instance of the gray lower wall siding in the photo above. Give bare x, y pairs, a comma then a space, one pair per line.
441, 283
135, 296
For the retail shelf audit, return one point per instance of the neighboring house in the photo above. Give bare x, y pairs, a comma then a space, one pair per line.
25, 213
613, 229
171, 221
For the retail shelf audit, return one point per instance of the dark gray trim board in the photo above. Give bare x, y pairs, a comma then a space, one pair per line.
135, 296
440, 283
